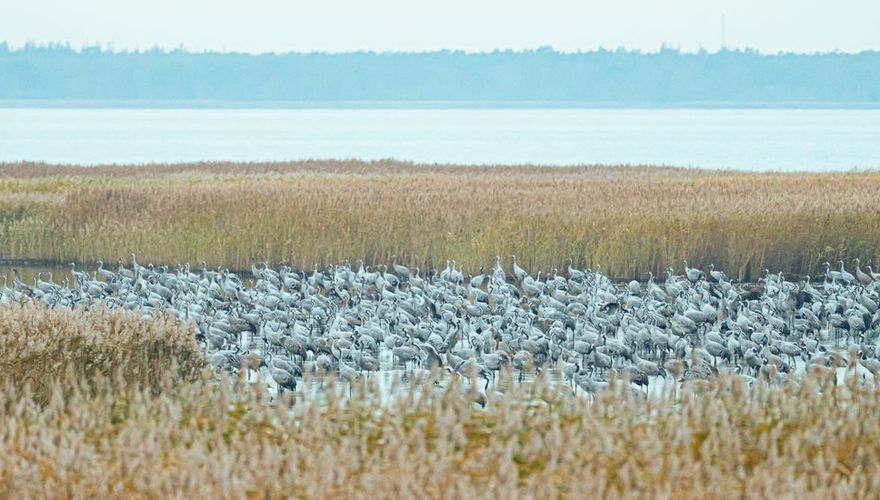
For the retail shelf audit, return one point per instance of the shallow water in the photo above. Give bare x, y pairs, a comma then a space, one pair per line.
747, 139
27, 272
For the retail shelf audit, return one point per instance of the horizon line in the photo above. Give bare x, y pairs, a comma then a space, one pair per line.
425, 104
108, 48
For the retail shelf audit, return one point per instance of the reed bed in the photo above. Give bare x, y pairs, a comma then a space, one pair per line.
40, 346
628, 220
228, 441
165, 429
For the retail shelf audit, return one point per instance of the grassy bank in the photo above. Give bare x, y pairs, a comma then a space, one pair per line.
629, 220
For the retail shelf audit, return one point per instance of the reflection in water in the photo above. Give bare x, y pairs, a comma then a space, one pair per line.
28, 273
58, 273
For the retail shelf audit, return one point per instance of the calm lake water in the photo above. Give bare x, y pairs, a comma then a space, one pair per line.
749, 139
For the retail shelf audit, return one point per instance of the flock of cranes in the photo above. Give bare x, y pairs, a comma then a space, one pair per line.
350, 322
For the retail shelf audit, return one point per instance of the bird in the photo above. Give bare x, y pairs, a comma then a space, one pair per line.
518, 272
693, 275
860, 275
345, 322
846, 275
717, 276
283, 379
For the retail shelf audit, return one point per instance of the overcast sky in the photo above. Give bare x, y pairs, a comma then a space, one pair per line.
472, 25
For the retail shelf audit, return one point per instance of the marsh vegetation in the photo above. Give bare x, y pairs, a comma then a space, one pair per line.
628, 220
120, 438
132, 379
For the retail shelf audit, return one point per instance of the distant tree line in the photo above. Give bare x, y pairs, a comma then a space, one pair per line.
614, 77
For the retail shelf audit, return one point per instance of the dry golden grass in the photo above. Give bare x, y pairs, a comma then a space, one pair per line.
152, 434
629, 220
39, 346
217, 441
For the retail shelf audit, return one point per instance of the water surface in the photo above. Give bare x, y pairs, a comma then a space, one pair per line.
749, 139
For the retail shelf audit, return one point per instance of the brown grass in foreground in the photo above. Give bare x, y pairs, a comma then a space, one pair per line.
41, 346
211, 441
629, 220
178, 436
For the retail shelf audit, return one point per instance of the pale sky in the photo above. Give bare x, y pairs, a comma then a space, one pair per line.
472, 25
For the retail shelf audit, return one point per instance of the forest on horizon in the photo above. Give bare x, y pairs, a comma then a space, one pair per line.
608, 77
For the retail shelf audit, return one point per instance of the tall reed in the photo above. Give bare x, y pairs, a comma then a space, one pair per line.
227, 441
69, 428
40, 346
628, 220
